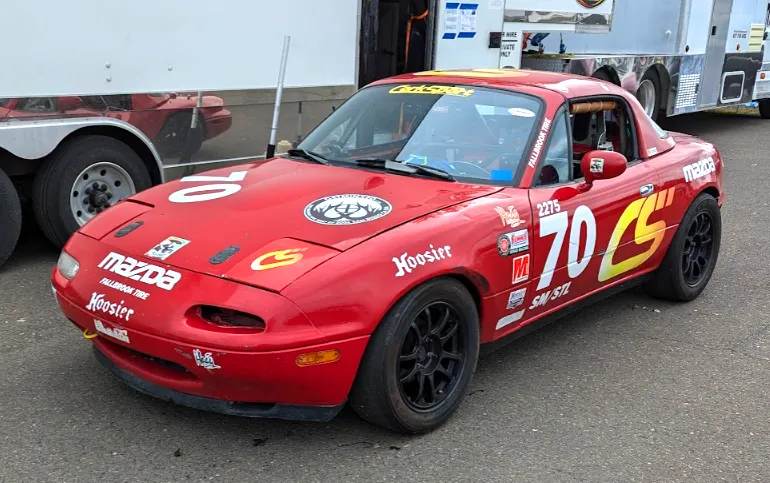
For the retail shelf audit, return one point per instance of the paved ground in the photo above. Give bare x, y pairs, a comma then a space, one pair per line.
629, 390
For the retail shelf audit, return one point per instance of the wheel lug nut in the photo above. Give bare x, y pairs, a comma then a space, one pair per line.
109, 196
85, 201
90, 209
95, 185
104, 187
88, 191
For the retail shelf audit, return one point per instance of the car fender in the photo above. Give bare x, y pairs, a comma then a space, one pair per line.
364, 283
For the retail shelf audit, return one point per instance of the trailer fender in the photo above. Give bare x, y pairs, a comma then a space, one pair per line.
37, 139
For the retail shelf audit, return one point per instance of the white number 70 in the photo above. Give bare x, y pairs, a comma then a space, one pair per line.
557, 224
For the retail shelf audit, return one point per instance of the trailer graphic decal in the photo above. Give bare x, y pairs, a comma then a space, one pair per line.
590, 3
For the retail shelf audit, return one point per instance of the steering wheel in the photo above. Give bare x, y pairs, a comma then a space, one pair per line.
333, 149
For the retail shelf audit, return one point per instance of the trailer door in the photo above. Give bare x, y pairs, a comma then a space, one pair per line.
715, 53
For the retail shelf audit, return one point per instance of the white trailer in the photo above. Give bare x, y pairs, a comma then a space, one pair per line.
164, 89
677, 56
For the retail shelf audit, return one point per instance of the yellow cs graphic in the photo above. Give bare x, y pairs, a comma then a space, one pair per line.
639, 210
281, 258
436, 89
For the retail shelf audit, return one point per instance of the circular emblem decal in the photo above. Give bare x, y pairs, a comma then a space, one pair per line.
348, 209
503, 245
590, 3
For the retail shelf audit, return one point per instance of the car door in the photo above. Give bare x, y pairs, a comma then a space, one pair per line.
584, 240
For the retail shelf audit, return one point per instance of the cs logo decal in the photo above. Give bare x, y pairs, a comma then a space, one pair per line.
278, 258
640, 210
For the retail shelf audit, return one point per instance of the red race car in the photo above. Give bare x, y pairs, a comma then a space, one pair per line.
430, 218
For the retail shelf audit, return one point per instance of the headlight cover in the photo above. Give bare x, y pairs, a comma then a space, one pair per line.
67, 265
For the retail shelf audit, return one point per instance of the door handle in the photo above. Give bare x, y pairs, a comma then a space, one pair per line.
646, 190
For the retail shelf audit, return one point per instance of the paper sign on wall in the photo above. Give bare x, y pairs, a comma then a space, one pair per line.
460, 20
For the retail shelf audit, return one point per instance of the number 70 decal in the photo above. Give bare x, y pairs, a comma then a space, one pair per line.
583, 219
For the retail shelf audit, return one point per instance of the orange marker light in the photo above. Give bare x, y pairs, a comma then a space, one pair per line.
762, 75
320, 357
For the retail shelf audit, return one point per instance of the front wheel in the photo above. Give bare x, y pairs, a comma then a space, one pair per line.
10, 217
692, 256
420, 360
764, 108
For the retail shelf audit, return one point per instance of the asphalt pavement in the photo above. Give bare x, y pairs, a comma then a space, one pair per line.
631, 389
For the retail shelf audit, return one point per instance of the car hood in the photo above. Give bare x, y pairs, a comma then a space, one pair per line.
269, 222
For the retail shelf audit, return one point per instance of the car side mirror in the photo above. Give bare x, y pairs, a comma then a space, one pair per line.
597, 165
69, 103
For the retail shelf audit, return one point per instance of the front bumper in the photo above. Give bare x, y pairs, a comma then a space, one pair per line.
232, 408
243, 381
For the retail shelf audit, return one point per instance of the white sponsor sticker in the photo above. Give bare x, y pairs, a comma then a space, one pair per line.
520, 112
407, 262
140, 271
166, 248
127, 289
539, 143
597, 165
509, 319
205, 361
114, 332
516, 298
99, 303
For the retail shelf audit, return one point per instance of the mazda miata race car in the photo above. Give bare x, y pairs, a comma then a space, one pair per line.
429, 219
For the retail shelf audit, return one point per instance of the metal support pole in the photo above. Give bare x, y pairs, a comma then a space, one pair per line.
278, 93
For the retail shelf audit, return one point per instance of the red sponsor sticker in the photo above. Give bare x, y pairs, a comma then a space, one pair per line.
520, 268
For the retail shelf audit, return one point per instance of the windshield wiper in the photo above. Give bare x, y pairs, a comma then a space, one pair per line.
397, 166
308, 155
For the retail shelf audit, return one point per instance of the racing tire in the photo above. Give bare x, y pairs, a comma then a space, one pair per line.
78, 162
764, 108
10, 217
411, 345
690, 260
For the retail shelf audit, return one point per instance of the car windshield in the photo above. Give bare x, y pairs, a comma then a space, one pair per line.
468, 131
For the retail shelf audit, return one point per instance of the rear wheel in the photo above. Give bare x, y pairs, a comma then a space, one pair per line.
648, 94
692, 256
420, 360
764, 108
83, 178
10, 217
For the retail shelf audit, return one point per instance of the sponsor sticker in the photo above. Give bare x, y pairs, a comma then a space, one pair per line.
509, 319
349, 209
513, 242
127, 289
114, 332
406, 263
140, 271
509, 217
278, 258
166, 248
652, 151
544, 298
520, 112
597, 165
432, 89
539, 143
520, 269
99, 303
702, 168
205, 361
516, 298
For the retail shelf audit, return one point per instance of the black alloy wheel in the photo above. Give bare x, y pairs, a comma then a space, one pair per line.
420, 359
431, 357
698, 249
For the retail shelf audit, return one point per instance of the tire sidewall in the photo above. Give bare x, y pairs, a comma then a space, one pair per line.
455, 295
75, 161
652, 76
10, 217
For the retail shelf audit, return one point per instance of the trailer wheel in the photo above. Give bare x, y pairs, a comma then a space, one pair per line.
84, 177
648, 94
10, 217
764, 108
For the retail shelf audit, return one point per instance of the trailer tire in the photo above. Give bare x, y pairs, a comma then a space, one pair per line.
648, 93
764, 108
67, 177
10, 217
